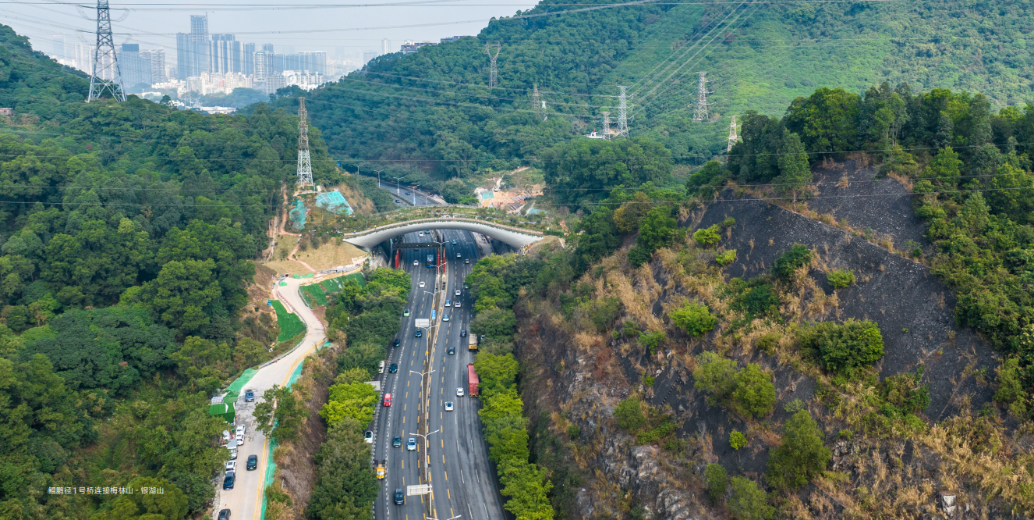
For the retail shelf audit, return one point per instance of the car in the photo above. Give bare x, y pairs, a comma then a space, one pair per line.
393, 368
233, 453
456, 305
396, 342
423, 284
465, 286
416, 262
228, 480
240, 439
396, 201
249, 396
252, 462
368, 437
396, 442
226, 437
448, 406
448, 303
400, 497
405, 313
419, 333
459, 392
241, 429
458, 292
387, 400
463, 333
380, 368
459, 255
452, 350
380, 472
224, 514
411, 444
466, 260
454, 242
231, 465
420, 234
445, 318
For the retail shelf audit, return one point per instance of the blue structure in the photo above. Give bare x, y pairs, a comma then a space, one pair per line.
333, 201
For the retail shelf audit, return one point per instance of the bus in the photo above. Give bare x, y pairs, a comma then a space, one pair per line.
472, 380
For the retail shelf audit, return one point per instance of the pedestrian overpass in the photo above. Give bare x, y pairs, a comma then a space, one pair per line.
512, 236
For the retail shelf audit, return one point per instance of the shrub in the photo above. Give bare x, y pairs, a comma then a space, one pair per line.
707, 237
573, 431
794, 406
843, 347
768, 341
716, 375
790, 261
652, 340
648, 380
639, 255
748, 502
629, 414
840, 278
717, 481
729, 222
726, 258
737, 440
694, 318
630, 329
1010, 388
755, 298
754, 394
801, 457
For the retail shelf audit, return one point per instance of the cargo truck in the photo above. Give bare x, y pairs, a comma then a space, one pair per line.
472, 380
472, 342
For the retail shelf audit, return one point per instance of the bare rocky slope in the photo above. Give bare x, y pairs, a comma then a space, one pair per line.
574, 378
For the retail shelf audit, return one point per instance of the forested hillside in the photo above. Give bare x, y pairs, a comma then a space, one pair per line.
434, 110
127, 233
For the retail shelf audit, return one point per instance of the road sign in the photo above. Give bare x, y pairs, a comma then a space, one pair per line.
432, 314
423, 323
422, 489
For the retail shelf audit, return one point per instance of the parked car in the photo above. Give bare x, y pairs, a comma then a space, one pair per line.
448, 406
240, 439
396, 442
380, 368
233, 453
400, 497
411, 444
368, 437
393, 368
241, 429
252, 462
228, 480
224, 514
387, 400
249, 396
231, 465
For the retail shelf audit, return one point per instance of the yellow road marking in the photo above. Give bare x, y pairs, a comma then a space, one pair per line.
448, 492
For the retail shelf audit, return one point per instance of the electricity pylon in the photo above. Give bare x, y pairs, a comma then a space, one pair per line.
701, 112
622, 114
732, 134
606, 125
304, 164
106, 76
492, 58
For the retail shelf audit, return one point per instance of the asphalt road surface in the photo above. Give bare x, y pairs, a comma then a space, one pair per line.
455, 453
245, 499
408, 196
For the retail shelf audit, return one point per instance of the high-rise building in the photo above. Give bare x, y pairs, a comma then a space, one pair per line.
385, 46
248, 58
263, 65
192, 50
156, 59
267, 48
134, 70
225, 54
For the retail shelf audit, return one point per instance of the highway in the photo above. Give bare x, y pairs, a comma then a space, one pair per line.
409, 196
460, 478
245, 499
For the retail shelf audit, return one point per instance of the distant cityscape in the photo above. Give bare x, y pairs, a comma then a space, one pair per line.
217, 63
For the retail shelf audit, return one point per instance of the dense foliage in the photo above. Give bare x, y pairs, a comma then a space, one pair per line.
749, 391
802, 456
843, 347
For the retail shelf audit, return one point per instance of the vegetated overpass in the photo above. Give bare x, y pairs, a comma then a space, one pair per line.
513, 236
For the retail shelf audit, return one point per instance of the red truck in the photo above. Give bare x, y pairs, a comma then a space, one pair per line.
472, 378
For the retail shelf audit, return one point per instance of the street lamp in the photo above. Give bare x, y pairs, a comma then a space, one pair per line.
379, 178
427, 446
398, 187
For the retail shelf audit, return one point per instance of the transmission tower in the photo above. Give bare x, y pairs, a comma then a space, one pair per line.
622, 116
304, 165
106, 76
492, 57
536, 102
701, 112
732, 134
606, 125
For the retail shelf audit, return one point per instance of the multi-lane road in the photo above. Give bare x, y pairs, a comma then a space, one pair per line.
454, 458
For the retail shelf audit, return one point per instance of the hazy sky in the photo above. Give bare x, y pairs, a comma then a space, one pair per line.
321, 25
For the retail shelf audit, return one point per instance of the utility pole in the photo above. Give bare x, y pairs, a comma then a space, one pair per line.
622, 116
106, 76
606, 125
732, 134
304, 164
493, 58
701, 112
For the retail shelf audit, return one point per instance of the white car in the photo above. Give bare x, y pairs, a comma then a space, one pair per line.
448, 303
448, 406
459, 392
423, 284
458, 292
445, 318
456, 305
231, 465
369, 438
420, 234
459, 255
416, 262
411, 444
233, 453
240, 439
241, 429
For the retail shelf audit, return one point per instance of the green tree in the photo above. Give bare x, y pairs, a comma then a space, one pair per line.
715, 375
791, 260
694, 318
707, 237
657, 229
280, 414
171, 504
494, 323
843, 347
182, 293
1010, 390
717, 481
737, 440
345, 484
495, 372
583, 168
357, 400
748, 502
802, 455
793, 165
630, 415
754, 394
840, 278
945, 169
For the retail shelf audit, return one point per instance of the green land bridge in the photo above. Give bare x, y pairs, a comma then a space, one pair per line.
516, 236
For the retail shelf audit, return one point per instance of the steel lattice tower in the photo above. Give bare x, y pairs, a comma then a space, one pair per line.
701, 112
304, 164
492, 58
622, 115
732, 134
536, 102
606, 125
106, 76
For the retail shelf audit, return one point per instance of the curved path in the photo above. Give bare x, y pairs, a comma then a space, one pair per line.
245, 499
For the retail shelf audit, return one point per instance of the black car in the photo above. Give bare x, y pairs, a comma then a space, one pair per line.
249, 396
396, 442
400, 497
224, 514
452, 350
393, 368
397, 343
252, 462
228, 480
463, 333
419, 333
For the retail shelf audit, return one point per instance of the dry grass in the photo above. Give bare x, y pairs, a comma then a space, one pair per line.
287, 267
331, 254
360, 204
